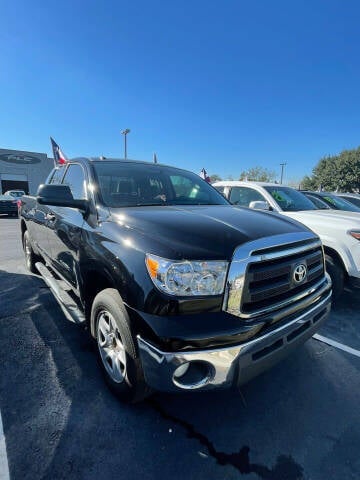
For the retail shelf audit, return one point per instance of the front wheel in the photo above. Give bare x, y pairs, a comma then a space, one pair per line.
117, 347
337, 275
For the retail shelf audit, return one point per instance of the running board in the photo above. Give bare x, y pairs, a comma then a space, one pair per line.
67, 304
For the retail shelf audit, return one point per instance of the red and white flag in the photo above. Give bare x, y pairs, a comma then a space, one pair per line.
59, 156
203, 174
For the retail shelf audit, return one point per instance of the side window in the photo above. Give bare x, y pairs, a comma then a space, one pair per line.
57, 176
75, 178
244, 196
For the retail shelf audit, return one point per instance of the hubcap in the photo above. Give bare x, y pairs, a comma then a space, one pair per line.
111, 348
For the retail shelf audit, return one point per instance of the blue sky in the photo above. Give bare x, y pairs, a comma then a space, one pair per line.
221, 85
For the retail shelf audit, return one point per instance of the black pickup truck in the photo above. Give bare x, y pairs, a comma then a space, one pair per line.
181, 290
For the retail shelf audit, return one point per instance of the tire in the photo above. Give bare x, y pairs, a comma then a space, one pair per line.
30, 257
117, 347
337, 274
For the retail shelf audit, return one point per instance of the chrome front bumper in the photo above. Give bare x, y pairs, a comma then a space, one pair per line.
232, 365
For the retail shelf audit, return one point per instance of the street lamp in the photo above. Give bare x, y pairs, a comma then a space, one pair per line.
282, 172
125, 132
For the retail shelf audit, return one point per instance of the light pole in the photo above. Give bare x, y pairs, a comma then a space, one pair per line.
282, 172
125, 132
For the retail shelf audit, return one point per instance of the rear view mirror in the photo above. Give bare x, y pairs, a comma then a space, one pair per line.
259, 205
59, 196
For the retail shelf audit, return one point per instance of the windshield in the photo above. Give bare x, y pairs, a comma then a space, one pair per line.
338, 203
353, 200
317, 202
132, 185
290, 200
7, 197
15, 193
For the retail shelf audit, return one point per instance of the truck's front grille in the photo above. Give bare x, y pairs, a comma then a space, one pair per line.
265, 277
273, 281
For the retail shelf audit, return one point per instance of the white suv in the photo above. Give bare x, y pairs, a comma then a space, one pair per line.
338, 230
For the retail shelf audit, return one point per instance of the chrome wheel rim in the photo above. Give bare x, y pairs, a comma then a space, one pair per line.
110, 346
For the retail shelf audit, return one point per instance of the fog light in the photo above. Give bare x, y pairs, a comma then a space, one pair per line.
180, 371
193, 374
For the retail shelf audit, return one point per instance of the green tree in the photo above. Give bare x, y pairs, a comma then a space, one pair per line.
258, 174
309, 183
348, 170
215, 178
336, 173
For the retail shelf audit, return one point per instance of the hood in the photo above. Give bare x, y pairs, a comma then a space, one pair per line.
325, 219
197, 232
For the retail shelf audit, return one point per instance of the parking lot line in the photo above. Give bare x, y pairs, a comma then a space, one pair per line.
338, 345
4, 466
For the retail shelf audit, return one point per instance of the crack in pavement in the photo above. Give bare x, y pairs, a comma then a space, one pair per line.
285, 467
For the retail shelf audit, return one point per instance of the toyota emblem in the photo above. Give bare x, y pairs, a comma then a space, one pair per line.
300, 273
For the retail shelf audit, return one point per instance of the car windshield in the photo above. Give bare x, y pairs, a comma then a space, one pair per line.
289, 199
132, 185
353, 200
338, 203
7, 197
318, 202
16, 193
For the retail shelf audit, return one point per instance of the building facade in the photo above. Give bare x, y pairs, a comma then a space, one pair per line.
21, 170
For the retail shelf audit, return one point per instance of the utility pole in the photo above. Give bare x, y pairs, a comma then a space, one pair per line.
282, 172
125, 132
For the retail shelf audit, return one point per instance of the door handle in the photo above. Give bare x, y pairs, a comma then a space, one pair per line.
50, 216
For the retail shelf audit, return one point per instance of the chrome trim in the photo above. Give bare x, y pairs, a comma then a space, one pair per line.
194, 385
234, 364
255, 252
67, 304
275, 241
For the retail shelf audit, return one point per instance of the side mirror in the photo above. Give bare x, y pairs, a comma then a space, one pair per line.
59, 196
259, 205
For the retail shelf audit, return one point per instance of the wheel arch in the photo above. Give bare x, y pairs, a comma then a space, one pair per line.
336, 256
94, 281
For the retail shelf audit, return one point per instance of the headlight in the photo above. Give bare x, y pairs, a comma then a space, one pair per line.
187, 278
355, 234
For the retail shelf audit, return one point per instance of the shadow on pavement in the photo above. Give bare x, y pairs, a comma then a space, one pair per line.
343, 324
61, 421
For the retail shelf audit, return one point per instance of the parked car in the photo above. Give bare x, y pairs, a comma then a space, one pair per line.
338, 230
353, 198
319, 203
8, 205
181, 290
332, 200
15, 193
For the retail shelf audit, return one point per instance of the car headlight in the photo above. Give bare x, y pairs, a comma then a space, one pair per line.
187, 278
355, 234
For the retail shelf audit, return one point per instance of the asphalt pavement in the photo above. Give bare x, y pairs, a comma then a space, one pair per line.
300, 420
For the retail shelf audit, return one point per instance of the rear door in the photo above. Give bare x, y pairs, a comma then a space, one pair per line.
65, 226
40, 217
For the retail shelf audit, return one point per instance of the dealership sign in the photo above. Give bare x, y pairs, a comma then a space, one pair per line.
19, 158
